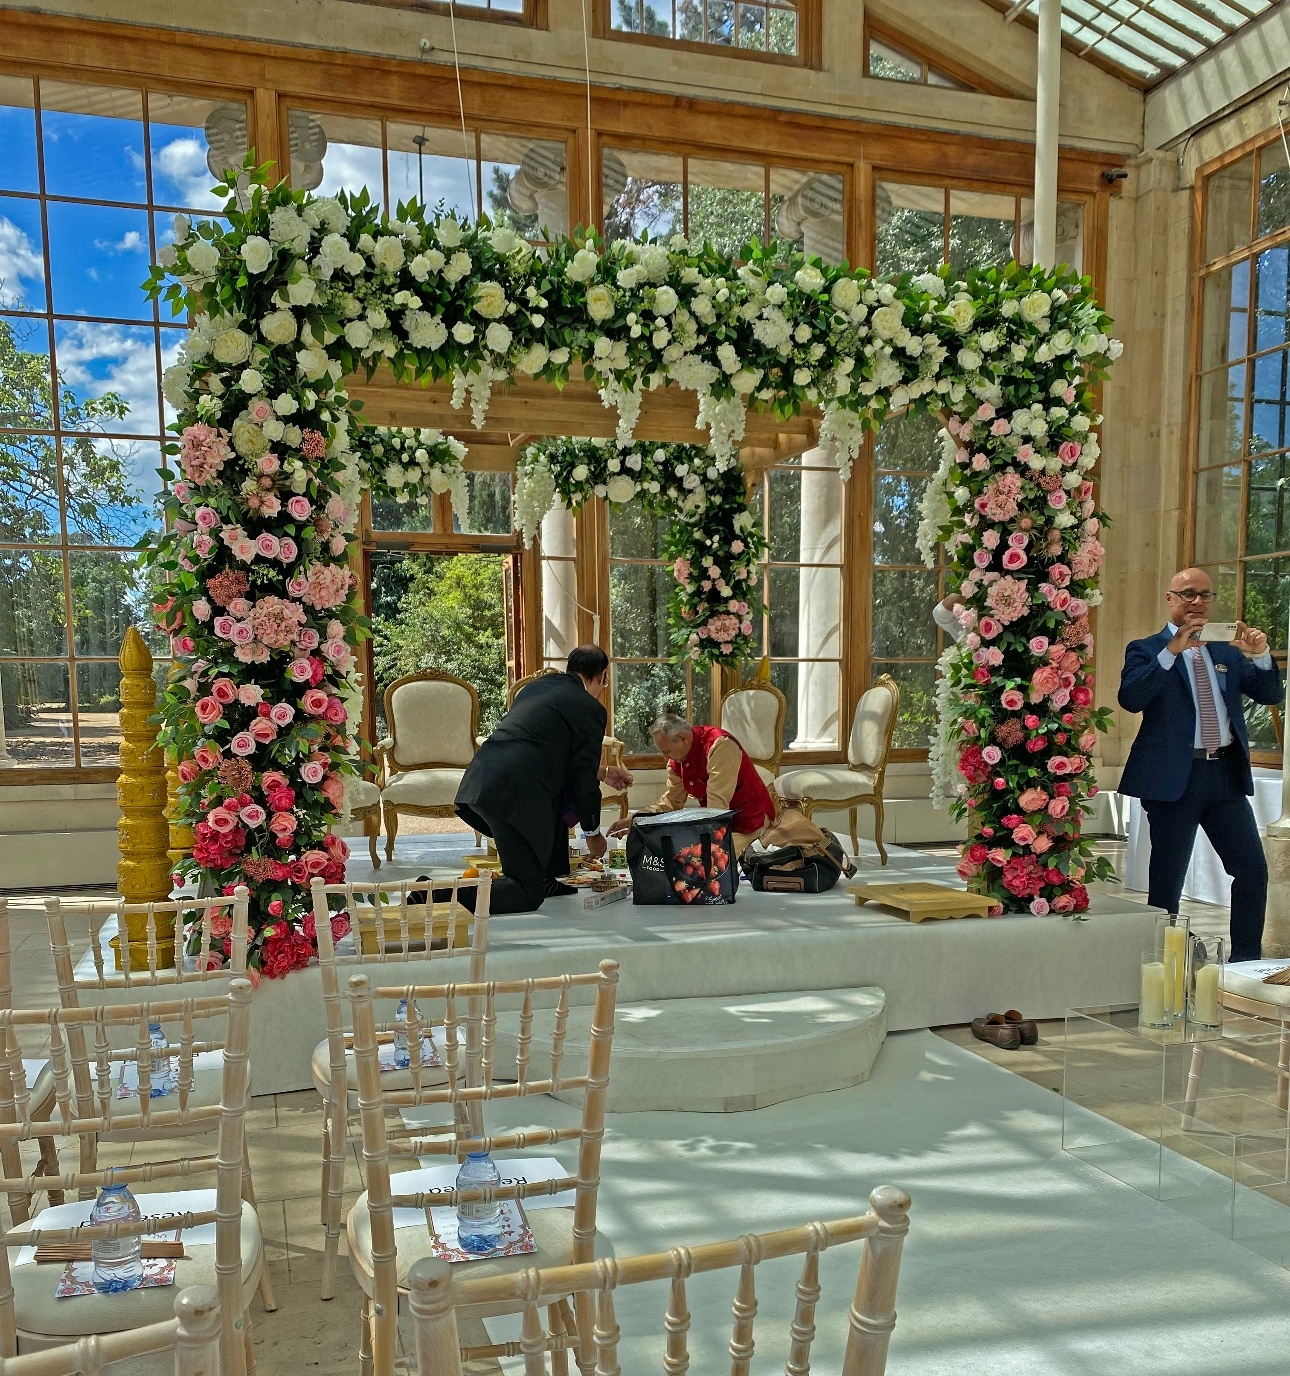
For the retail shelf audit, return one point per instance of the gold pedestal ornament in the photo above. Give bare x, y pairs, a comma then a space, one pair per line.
143, 872
181, 834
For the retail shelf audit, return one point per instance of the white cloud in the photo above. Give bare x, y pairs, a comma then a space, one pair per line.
19, 261
94, 359
350, 167
130, 242
182, 163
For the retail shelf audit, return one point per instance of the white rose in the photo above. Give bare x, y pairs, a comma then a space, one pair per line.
448, 232
457, 267
969, 360
251, 381
273, 429
358, 334
497, 337
962, 313
665, 301
182, 227
257, 253
335, 249
301, 291
292, 433
534, 360
989, 342
930, 282
600, 303
809, 278
801, 376
620, 489
232, 346
490, 300
278, 327
655, 262
1114, 349
602, 347
845, 294
174, 385
887, 320
285, 404
312, 364
1035, 306
355, 264
203, 257
582, 267
424, 331
504, 239
387, 253
579, 474
167, 256
462, 332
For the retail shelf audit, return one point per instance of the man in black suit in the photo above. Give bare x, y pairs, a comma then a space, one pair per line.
1190, 762
537, 773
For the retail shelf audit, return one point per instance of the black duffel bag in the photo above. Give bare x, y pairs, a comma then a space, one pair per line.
683, 857
793, 869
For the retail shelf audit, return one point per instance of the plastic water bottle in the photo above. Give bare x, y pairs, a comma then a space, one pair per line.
117, 1265
401, 1057
479, 1224
163, 1071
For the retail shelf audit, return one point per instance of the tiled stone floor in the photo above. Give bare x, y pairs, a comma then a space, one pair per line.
284, 1131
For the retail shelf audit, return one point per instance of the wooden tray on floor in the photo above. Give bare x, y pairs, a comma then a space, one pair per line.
920, 901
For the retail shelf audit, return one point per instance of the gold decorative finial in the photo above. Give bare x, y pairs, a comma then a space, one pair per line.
143, 872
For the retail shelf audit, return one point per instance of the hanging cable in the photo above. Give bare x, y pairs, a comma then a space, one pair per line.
554, 566
461, 110
1283, 108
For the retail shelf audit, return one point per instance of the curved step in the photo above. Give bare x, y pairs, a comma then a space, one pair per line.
723, 1055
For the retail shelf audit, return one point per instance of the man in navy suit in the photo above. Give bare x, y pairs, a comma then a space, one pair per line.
1190, 763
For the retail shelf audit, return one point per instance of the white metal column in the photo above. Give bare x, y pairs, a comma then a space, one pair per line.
1047, 101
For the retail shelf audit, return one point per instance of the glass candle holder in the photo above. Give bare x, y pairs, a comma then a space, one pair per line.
1173, 939
1205, 982
1155, 1001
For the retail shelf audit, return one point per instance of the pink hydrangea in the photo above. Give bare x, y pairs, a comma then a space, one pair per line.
1000, 499
1087, 559
203, 451
277, 621
326, 585
1009, 599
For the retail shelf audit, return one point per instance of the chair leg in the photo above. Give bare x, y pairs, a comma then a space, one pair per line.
49, 1165
877, 828
11, 1163
246, 1331
855, 843
267, 1297
391, 828
365, 1339
585, 1352
555, 1326
333, 1204
372, 826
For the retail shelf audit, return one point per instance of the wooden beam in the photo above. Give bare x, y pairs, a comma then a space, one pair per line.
529, 408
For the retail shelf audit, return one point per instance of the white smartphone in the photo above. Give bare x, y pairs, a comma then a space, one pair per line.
1218, 630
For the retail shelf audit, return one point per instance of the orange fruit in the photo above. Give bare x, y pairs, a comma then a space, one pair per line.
470, 872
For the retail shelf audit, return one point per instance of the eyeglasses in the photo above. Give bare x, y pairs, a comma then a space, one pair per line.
1191, 595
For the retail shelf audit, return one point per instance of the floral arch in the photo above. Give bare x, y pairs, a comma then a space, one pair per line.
299, 293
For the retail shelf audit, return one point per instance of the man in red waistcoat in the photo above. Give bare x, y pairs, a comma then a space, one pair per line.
709, 766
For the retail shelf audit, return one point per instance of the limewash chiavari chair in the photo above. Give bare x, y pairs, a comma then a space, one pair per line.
31, 1317
387, 930
40, 1079
163, 961
192, 1336
381, 1256
437, 1295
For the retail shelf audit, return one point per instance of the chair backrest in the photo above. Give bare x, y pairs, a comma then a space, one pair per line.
873, 725
436, 1293
184, 941
521, 684
192, 1335
433, 719
387, 930
89, 1105
464, 1093
754, 715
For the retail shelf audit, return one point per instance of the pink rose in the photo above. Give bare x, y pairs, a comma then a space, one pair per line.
997, 856
252, 814
188, 771
298, 671
312, 772
202, 609
1061, 599
315, 861
267, 545
208, 711
1011, 700
250, 694
224, 690
981, 558
336, 651
1039, 906
1057, 499
1000, 427
298, 586
1032, 800
283, 825
1069, 452
203, 544
1041, 843
333, 789
1063, 903
242, 744
221, 819
984, 412
990, 538
263, 730
1076, 608
1059, 764
1059, 575
242, 633
287, 550
1014, 558
992, 754
273, 779
268, 463
207, 755
207, 518
1039, 645
182, 644
223, 627
281, 713
307, 639
336, 713
1060, 698
314, 702
1059, 807
980, 463
299, 507
990, 627
1024, 834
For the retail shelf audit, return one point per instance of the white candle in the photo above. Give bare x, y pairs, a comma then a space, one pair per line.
1154, 1000
1176, 962
1206, 1005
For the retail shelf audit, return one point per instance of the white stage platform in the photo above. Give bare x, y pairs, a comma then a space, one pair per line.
934, 974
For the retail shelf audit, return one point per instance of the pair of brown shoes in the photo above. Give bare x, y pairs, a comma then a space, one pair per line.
1007, 1030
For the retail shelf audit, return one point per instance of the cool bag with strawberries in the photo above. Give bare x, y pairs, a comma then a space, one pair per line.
683, 857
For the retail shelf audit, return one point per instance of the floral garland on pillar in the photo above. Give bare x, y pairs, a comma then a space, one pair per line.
713, 543
295, 292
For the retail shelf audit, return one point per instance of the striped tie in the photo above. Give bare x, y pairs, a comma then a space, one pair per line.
1210, 732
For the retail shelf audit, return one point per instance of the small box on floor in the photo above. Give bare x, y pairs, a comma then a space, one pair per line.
597, 898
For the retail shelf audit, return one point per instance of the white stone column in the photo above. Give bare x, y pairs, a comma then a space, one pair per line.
1046, 131
559, 584
819, 606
